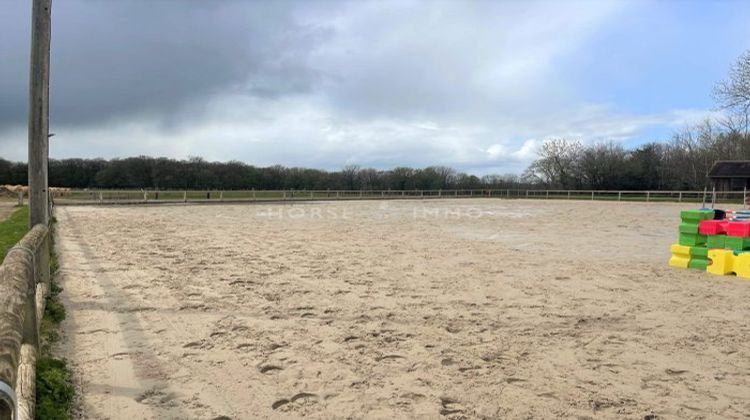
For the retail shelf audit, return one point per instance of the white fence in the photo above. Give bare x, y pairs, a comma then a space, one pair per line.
176, 196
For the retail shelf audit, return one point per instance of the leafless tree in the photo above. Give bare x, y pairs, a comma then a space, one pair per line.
733, 93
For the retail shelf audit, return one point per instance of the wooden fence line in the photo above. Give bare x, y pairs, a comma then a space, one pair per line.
195, 196
24, 284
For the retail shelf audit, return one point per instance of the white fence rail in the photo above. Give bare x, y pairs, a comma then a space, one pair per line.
176, 196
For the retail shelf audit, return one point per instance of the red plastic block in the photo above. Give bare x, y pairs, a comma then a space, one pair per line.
712, 227
738, 229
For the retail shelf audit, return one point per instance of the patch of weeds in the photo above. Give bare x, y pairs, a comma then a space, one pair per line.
54, 391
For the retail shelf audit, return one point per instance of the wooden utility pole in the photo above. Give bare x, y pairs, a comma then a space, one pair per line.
39, 112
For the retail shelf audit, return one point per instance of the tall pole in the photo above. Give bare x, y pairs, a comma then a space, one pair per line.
39, 112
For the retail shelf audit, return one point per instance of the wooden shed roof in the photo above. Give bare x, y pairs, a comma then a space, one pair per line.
730, 169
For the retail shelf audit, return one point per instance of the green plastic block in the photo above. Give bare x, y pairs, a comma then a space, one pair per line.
698, 258
698, 263
698, 252
716, 241
695, 216
689, 228
737, 244
691, 239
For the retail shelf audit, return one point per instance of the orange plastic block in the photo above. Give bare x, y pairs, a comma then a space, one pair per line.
722, 261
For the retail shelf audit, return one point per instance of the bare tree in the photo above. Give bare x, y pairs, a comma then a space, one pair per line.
733, 93
557, 165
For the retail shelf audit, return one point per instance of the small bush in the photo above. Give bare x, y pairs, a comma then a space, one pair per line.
54, 390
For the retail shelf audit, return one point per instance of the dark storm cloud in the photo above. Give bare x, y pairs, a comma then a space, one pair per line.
126, 57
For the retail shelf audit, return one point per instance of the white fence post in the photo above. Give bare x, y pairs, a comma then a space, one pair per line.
546, 195
679, 197
619, 195
648, 196
592, 195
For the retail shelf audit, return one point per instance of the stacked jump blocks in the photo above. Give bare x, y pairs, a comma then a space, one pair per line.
712, 243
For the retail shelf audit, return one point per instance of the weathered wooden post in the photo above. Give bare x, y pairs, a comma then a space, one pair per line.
39, 112
20, 197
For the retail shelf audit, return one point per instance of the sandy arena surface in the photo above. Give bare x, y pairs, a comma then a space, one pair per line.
403, 309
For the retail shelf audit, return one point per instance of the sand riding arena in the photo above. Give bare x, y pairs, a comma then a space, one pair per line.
478, 308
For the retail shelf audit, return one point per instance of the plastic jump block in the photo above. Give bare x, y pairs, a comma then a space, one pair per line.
737, 244
712, 227
695, 216
721, 261
699, 258
680, 256
716, 241
692, 239
689, 228
741, 265
738, 229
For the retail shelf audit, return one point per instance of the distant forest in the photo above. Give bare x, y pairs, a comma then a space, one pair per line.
678, 164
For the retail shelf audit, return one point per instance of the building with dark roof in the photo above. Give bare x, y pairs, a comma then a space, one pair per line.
730, 175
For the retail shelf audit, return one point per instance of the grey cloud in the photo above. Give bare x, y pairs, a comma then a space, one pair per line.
129, 57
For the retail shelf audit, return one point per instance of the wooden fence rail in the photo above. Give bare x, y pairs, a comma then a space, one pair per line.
202, 196
24, 284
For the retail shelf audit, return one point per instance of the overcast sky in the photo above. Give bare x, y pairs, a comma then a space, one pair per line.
472, 85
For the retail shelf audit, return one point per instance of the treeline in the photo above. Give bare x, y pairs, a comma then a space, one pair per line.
144, 172
680, 164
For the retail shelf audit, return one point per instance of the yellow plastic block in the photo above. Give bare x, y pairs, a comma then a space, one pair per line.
722, 261
680, 256
741, 265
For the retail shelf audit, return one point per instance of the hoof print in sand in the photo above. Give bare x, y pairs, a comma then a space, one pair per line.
300, 398
450, 406
268, 369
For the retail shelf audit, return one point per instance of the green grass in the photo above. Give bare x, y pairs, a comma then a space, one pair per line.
12, 230
54, 391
